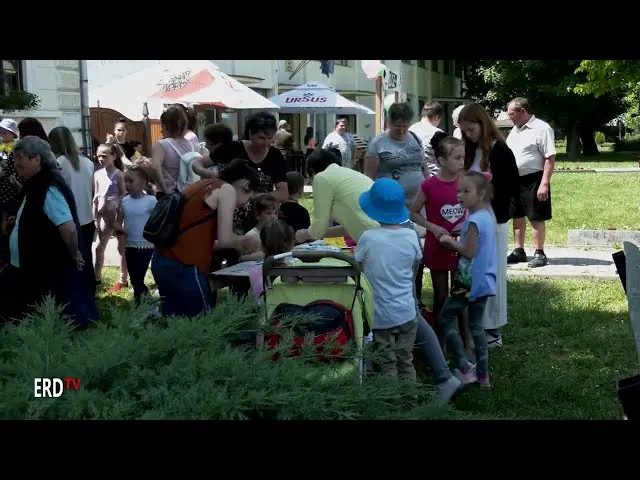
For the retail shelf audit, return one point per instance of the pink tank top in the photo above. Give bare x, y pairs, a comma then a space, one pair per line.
444, 210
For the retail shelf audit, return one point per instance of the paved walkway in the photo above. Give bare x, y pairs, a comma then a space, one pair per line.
563, 263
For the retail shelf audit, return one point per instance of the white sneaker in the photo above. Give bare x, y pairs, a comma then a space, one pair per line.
447, 390
493, 340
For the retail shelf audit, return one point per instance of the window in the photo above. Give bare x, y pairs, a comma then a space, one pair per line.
420, 106
434, 65
344, 63
422, 63
10, 75
457, 70
447, 67
408, 62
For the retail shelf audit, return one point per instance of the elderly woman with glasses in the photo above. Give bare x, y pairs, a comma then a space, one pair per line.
46, 248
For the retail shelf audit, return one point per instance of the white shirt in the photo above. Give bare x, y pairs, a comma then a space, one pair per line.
532, 144
388, 257
81, 184
425, 132
345, 143
136, 212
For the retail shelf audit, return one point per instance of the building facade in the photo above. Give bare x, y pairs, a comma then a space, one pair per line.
62, 88
424, 80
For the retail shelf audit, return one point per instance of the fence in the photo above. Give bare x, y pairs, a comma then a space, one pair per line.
103, 120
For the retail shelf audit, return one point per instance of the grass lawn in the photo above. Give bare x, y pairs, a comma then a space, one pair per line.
567, 344
589, 201
606, 159
592, 201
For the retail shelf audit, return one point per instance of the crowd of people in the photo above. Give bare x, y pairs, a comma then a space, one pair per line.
240, 203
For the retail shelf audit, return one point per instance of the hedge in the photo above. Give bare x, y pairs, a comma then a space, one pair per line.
181, 368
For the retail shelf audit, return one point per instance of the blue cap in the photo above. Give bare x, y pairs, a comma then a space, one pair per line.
384, 202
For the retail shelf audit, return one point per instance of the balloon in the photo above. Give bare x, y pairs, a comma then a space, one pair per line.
388, 101
372, 68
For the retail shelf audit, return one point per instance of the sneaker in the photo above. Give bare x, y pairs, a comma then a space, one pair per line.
483, 382
493, 340
517, 256
447, 390
117, 287
461, 376
469, 377
538, 260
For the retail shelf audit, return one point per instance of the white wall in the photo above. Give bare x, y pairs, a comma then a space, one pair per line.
57, 83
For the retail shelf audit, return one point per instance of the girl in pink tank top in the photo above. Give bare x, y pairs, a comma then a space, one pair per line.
438, 195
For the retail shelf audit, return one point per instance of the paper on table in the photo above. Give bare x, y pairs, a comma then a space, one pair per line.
238, 270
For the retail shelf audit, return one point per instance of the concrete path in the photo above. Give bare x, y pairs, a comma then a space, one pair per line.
563, 263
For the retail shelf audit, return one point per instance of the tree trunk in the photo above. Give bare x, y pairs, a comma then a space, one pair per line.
572, 142
589, 147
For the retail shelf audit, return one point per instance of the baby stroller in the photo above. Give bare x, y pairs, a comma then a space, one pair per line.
328, 284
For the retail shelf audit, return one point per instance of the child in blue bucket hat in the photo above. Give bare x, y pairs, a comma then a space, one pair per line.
388, 255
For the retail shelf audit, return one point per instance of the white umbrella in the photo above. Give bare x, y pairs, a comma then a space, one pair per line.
175, 81
208, 85
316, 98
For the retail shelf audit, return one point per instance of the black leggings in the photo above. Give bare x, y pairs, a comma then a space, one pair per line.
88, 231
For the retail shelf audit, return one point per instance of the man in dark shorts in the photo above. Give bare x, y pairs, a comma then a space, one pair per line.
533, 144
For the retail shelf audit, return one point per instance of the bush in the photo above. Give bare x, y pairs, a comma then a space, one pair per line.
630, 144
599, 138
184, 369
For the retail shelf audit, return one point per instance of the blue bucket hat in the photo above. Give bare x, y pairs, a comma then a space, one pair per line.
384, 202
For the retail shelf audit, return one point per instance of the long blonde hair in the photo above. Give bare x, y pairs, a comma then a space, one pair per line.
475, 113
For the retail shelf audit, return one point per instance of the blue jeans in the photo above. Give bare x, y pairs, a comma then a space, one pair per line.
426, 338
184, 290
448, 316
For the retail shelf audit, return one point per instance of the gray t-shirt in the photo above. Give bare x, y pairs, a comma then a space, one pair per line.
401, 160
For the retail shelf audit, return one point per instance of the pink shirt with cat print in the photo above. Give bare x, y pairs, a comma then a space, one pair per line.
444, 210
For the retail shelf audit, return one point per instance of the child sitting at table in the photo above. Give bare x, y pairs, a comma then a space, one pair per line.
296, 216
276, 237
265, 208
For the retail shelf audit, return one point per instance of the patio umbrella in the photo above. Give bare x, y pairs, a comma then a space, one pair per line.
175, 81
208, 85
316, 98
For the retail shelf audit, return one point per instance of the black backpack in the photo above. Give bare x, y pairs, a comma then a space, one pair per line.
163, 227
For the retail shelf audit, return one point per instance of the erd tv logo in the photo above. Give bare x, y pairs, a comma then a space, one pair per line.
54, 387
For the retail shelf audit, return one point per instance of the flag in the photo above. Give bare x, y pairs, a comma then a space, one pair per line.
326, 67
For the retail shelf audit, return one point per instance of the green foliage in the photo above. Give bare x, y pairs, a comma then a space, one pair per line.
629, 143
607, 76
600, 138
549, 85
186, 369
19, 100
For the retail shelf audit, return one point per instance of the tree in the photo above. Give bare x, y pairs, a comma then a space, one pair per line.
549, 86
608, 76
612, 76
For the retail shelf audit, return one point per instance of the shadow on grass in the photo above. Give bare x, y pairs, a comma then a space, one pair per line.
631, 157
566, 345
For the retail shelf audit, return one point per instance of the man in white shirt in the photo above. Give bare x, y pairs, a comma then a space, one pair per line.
343, 141
533, 144
425, 129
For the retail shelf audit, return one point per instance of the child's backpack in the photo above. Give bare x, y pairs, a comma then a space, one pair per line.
331, 322
163, 226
